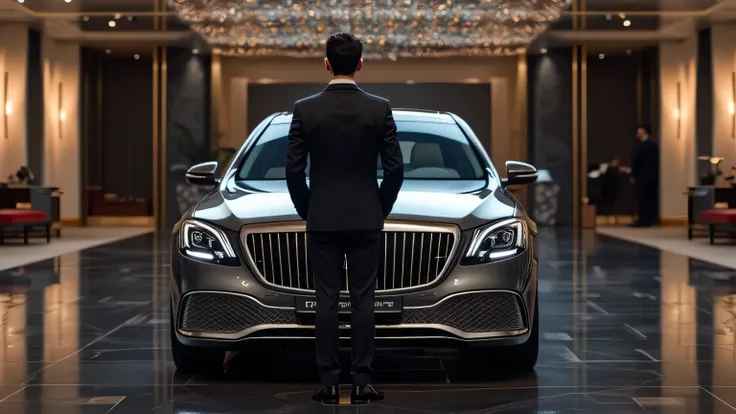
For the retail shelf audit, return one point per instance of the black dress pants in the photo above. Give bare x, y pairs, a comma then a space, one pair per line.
647, 198
328, 252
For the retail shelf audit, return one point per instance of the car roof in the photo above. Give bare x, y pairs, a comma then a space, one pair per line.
400, 115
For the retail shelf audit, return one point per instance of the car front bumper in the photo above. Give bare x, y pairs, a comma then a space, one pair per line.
481, 305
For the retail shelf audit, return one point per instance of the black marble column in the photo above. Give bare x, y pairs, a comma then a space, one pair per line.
34, 106
550, 123
704, 101
188, 140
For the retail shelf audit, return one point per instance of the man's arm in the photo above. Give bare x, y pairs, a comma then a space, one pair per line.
393, 164
296, 166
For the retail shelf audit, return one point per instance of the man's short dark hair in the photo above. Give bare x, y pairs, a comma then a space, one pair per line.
644, 127
344, 52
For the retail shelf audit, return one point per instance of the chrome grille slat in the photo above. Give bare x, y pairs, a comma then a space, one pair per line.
406, 263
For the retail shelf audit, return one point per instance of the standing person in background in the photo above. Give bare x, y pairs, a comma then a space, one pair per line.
645, 175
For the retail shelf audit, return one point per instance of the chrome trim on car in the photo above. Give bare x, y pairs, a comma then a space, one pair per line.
242, 335
458, 333
390, 226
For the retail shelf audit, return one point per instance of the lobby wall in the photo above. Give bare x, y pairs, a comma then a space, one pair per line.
61, 132
724, 66
13, 61
677, 132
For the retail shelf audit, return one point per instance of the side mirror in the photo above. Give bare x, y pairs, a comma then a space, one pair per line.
519, 173
202, 174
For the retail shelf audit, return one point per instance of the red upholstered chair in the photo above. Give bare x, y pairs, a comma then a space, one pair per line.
718, 218
25, 220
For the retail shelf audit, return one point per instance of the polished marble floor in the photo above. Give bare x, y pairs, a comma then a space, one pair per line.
625, 329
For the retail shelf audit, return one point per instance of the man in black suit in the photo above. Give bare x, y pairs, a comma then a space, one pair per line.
645, 174
341, 132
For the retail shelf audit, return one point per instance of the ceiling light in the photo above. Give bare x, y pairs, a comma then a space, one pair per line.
108, 51
21, 1
609, 17
112, 23
68, 1
85, 18
621, 15
195, 51
130, 19
544, 50
136, 56
601, 56
627, 23
117, 16
628, 52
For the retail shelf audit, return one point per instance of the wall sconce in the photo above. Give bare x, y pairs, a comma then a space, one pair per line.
62, 112
731, 109
7, 105
676, 113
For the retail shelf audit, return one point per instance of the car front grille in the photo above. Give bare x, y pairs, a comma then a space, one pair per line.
225, 313
413, 255
472, 312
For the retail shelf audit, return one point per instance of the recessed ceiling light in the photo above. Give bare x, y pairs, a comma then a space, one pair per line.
601, 56
195, 51
136, 56
21, 1
117, 16
85, 18
627, 23
108, 51
544, 50
68, 1
112, 23
628, 52
609, 17
130, 18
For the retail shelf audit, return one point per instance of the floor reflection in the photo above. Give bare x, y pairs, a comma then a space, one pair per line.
625, 328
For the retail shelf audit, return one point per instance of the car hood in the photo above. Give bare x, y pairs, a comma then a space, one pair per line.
467, 204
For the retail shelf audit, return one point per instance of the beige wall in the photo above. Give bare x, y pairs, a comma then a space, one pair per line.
724, 65
507, 111
677, 151
13, 60
62, 139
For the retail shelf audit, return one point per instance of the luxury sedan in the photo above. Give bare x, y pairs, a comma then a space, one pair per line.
459, 266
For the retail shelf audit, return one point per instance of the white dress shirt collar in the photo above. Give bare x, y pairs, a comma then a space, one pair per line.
342, 81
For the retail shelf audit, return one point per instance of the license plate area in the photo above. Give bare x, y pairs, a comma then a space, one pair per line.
388, 310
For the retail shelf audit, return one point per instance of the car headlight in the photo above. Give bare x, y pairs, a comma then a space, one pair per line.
497, 241
203, 242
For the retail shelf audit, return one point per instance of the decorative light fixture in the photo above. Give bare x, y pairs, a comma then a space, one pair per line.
62, 112
8, 106
112, 23
731, 109
676, 112
410, 28
627, 23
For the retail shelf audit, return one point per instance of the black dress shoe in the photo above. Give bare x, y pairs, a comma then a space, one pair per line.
363, 394
329, 395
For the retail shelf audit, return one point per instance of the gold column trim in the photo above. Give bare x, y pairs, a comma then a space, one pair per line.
215, 95
575, 120
639, 91
156, 137
164, 137
583, 122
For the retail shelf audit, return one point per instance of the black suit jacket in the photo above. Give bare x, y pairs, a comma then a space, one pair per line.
645, 163
343, 130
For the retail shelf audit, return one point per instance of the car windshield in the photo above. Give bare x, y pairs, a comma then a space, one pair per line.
431, 151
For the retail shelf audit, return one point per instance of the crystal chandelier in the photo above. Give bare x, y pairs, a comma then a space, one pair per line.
389, 29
